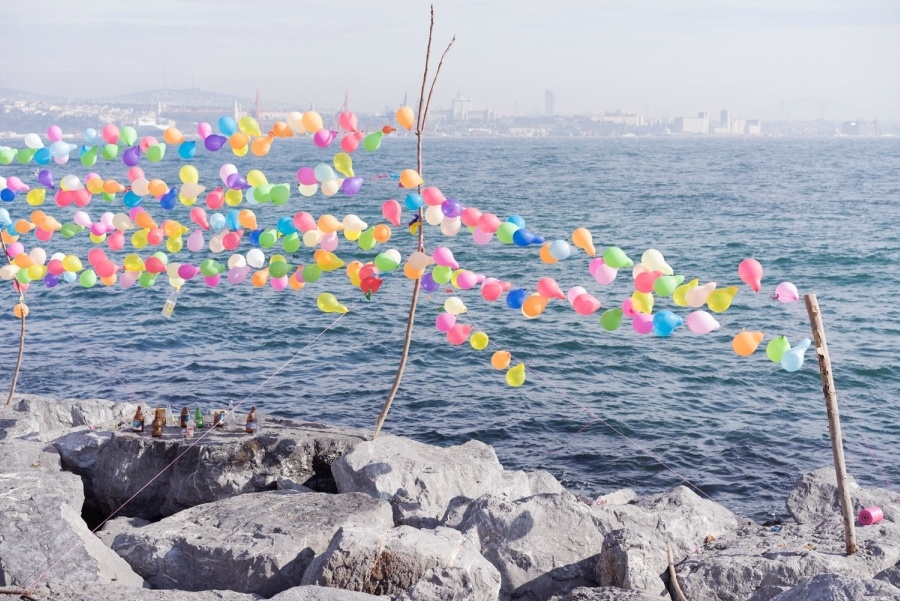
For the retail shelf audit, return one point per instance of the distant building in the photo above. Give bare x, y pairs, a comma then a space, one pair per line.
753, 128
460, 107
859, 128
549, 101
725, 117
632, 119
691, 125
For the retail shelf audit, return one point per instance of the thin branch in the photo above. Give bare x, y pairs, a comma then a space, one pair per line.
436, 73
424, 81
673, 577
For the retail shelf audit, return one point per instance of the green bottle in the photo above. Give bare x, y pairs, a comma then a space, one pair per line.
198, 418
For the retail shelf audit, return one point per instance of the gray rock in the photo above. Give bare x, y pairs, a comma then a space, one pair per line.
603, 593
393, 562
833, 587
815, 498
282, 483
541, 545
67, 591
255, 543
321, 593
221, 465
619, 497
759, 563
43, 419
117, 526
420, 479
890, 575
40, 513
631, 560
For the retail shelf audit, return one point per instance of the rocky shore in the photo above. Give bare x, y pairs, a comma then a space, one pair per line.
304, 511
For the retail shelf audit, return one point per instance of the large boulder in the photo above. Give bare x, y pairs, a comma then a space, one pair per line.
63, 590
321, 593
891, 575
43, 419
603, 593
40, 510
255, 543
418, 564
761, 563
840, 588
815, 498
179, 473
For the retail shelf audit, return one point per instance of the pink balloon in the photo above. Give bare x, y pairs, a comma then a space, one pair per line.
466, 280
644, 281
54, 133
186, 271
147, 142
573, 293
116, 240
329, 242
212, 280
786, 293
628, 309
15, 184
81, 218
236, 275
392, 211
215, 199
479, 236
304, 222
42, 235
445, 321
128, 279
701, 322
642, 323
444, 256
306, 176
491, 289
751, 273
348, 121
432, 196
323, 138
61, 160
489, 223
135, 173
95, 255
470, 217
603, 273
349, 143
279, 283
458, 334
549, 288
594, 264
198, 216
16, 248
110, 133
204, 129
585, 304
195, 242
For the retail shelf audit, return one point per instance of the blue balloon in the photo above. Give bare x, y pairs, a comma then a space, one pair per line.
231, 220
428, 283
254, 237
665, 322
216, 222
90, 136
42, 156
414, 201
516, 298
187, 150
4, 218
168, 200
517, 220
7, 195
69, 276
285, 226
792, 359
522, 237
131, 199
227, 125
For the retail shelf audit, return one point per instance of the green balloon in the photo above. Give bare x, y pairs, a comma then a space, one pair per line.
268, 238
278, 269
777, 347
263, 193
441, 274
505, 232
372, 142
208, 267
24, 155
156, 152
665, 285
68, 230
147, 279
280, 194
367, 239
89, 158
7, 155
128, 135
385, 263
88, 278
291, 243
108, 197
22, 277
110, 151
611, 319
311, 273
616, 258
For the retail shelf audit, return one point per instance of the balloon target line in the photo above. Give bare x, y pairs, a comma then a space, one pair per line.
33, 581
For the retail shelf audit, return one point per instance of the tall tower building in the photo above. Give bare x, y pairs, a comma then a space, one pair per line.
549, 101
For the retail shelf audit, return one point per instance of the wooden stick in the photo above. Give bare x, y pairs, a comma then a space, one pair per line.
834, 421
414, 301
673, 577
15, 378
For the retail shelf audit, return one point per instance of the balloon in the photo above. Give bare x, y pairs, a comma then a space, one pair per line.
665, 285
323, 138
444, 256
746, 342
719, 300
751, 273
491, 289
249, 126
458, 334
372, 142
352, 185
227, 125
560, 249
45, 177
792, 359
505, 232
549, 288
344, 164
500, 360
603, 273
611, 319
516, 298
645, 281
327, 303
311, 121
653, 260
701, 322
479, 341
295, 122
33, 141
405, 117
585, 304
110, 133
679, 297
187, 150
410, 178
573, 293
54, 133
786, 292
428, 283
214, 142
642, 323
776, 348
516, 376
616, 258
665, 322
642, 302
392, 211
445, 321
697, 295
582, 238
204, 129
454, 306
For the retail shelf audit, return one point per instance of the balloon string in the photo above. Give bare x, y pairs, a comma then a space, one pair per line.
197, 441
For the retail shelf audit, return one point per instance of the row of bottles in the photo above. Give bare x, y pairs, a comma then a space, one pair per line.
191, 422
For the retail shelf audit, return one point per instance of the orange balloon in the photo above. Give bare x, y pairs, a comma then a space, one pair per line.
22, 261
23, 227
157, 187
173, 136
582, 238
111, 186
746, 342
410, 178
500, 359
20, 310
312, 121
39, 218
546, 257
238, 140
144, 221
381, 233
295, 282
405, 117
260, 146
95, 185
260, 277
412, 273
328, 224
247, 219
353, 268
281, 130
7, 237
109, 280
534, 305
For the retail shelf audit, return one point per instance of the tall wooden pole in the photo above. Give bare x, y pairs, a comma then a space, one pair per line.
24, 309
834, 421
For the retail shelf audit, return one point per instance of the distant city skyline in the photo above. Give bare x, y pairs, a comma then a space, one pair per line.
757, 58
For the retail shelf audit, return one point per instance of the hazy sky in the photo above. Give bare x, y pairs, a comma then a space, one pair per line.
647, 56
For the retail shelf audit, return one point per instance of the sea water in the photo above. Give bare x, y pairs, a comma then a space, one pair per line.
600, 410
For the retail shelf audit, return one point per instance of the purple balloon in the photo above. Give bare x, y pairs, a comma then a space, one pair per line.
214, 142
46, 178
428, 283
51, 280
132, 156
186, 271
451, 208
351, 185
236, 181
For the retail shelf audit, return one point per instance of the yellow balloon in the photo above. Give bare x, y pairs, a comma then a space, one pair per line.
174, 244
255, 177
642, 302
353, 272
189, 174
173, 228
249, 126
187, 201
516, 376
329, 304
343, 163
311, 121
139, 240
719, 300
233, 197
479, 341
328, 261
352, 235
746, 342
97, 239
242, 151
72, 263
36, 197
36, 272
679, 297
133, 263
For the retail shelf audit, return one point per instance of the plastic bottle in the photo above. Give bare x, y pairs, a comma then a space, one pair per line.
169, 307
198, 417
230, 413
137, 425
170, 417
252, 423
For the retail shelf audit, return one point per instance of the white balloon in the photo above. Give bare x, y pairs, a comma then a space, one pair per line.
256, 258
33, 141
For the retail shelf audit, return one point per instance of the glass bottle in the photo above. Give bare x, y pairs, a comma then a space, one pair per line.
184, 417
251, 421
137, 425
156, 428
170, 417
198, 417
